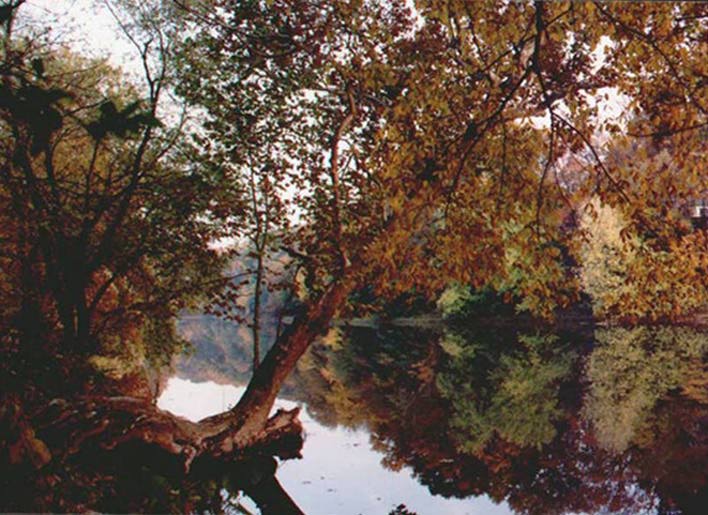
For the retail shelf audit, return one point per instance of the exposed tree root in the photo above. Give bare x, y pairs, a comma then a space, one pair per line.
64, 428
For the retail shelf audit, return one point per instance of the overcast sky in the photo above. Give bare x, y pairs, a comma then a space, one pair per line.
85, 25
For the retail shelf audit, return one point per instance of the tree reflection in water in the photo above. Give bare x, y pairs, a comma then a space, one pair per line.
592, 421
552, 423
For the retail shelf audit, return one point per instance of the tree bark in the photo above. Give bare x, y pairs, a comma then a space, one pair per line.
68, 427
120, 441
88, 424
251, 413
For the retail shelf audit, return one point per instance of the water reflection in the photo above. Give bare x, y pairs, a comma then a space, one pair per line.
340, 472
566, 422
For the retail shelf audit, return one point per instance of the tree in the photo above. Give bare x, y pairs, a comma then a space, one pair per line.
514, 397
398, 128
113, 221
644, 259
414, 390
630, 371
262, 264
422, 147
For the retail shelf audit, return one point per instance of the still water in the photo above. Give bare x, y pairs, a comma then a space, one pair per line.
484, 419
341, 473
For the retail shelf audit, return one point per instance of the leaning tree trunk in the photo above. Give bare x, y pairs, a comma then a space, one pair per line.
68, 427
251, 413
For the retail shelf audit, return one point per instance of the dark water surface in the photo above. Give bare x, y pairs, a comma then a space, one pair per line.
488, 419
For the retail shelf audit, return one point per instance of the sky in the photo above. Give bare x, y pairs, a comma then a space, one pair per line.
87, 26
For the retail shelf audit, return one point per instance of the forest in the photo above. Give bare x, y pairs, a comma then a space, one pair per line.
282, 167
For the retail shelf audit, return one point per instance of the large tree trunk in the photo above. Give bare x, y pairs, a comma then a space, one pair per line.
251, 413
69, 426
106, 423
118, 439
118, 436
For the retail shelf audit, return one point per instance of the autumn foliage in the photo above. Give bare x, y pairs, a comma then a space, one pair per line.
541, 153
